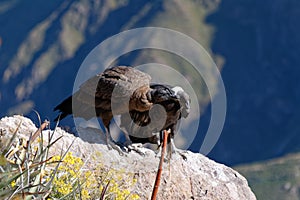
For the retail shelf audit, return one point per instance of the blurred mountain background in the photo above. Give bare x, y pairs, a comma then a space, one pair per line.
256, 45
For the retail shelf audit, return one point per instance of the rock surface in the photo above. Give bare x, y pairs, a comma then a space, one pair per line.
195, 178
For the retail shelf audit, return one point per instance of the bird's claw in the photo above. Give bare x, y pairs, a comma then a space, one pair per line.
181, 153
127, 144
172, 151
138, 148
113, 145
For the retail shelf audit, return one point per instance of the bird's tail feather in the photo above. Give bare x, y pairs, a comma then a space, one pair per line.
65, 108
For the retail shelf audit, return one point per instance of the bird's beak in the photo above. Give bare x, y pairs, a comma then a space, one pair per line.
175, 97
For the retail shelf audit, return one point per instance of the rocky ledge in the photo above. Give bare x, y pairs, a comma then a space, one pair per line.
197, 177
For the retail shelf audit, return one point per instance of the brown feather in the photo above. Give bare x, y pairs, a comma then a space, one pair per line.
112, 88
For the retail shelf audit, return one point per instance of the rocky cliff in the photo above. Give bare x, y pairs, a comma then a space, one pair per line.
197, 177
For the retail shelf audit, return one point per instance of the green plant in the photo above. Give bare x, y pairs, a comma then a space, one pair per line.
23, 166
28, 172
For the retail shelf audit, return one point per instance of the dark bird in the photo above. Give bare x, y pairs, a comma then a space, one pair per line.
163, 117
115, 91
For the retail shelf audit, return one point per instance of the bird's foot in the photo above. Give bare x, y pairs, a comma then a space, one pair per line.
113, 145
181, 153
173, 151
158, 155
127, 144
138, 148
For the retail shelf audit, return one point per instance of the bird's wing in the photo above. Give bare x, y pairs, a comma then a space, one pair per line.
124, 80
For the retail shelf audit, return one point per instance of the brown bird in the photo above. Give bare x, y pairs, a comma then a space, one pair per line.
116, 91
175, 105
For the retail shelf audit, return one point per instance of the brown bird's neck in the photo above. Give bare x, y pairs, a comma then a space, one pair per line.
141, 99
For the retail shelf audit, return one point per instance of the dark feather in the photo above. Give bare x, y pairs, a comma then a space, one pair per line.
142, 125
128, 89
66, 106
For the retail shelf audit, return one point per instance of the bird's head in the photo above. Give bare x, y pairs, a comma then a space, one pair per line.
184, 100
161, 94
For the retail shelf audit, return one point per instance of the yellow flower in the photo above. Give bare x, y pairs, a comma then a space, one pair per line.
134, 181
126, 192
134, 196
55, 158
85, 194
71, 174
13, 183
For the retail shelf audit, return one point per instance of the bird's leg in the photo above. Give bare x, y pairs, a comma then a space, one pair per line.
160, 144
173, 149
111, 144
124, 126
159, 135
128, 142
109, 139
129, 125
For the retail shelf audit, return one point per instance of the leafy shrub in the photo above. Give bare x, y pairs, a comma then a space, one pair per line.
23, 165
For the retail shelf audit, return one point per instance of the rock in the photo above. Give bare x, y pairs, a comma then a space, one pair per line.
198, 177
